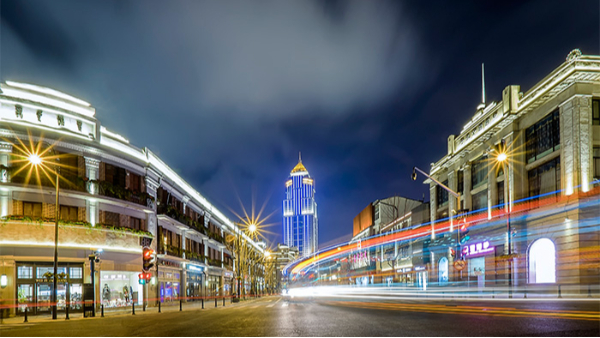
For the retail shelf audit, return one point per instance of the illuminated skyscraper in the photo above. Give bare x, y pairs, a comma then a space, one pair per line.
300, 225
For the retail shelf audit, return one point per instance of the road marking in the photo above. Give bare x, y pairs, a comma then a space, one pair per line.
284, 304
254, 307
271, 305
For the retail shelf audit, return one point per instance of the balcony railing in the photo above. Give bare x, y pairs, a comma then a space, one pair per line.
214, 262
181, 218
194, 256
108, 189
173, 250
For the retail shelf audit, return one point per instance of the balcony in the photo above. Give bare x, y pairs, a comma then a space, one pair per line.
181, 218
214, 262
216, 237
115, 191
192, 256
172, 250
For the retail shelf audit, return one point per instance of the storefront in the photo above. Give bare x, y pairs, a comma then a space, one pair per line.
34, 286
169, 280
120, 288
214, 282
474, 254
228, 283
194, 280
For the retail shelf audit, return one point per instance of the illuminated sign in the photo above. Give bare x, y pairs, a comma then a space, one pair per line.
195, 268
478, 249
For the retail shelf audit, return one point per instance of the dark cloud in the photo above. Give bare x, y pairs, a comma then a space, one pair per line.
228, 92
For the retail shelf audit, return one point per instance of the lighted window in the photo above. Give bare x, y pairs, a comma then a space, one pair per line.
443, 271
542, 262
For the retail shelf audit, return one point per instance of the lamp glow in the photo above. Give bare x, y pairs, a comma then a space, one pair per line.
501, 157
3, 281
252, 227
35, 159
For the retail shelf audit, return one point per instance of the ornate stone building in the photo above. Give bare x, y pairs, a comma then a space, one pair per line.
112, 196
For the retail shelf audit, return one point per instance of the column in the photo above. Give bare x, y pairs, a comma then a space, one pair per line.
5, 193
467, 184
92, 172
492, 189
452, 203
433, 206
576, 141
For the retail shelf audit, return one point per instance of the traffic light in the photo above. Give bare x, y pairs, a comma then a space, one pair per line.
453, 253
144, 277
148, 259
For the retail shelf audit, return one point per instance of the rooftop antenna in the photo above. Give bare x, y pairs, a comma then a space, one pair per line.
483, 84
300, 156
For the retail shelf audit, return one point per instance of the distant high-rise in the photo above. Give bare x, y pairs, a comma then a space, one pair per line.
300, 225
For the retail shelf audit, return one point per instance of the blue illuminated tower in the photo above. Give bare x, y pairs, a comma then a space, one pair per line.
300, 225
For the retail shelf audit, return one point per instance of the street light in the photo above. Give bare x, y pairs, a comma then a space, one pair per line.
502, 159
252, 228
35, 160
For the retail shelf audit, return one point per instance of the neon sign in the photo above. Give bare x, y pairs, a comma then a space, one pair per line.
477, 249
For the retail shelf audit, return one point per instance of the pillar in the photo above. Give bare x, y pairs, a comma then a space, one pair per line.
467, 185
576, 143
92, 172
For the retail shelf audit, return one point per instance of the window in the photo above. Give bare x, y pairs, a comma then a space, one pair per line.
500, 194
134, 182
480, 200
24, 272
597, 163
115, 175
76, 273
545, 178
135, 223
479, 172
460, 179
596, 112
542, 262
442, 195
112, 218
32, 209
543, 137
68, 213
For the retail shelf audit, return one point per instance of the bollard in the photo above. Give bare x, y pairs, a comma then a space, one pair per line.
67, 312
158, 307
559, 293
589, 291
102, 310
133, 308
525, 293
202, 303
223, 301
180, 305
144, 306
25, 321
215, 301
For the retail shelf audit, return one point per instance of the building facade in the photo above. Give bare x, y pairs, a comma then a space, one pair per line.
534, 216
300, 221
113, 196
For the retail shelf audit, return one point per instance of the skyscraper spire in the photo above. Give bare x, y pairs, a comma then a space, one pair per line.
300, 157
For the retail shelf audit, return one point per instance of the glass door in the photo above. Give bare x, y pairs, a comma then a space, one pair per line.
43, 297
75, 294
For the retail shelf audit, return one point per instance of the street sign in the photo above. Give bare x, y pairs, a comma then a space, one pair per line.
460, 265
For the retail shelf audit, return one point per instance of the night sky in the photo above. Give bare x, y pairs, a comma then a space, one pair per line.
228, 92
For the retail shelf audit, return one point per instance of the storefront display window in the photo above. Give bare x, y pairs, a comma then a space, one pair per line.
34, 286
120, 288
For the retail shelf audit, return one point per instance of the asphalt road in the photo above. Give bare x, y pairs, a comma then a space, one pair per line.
275, 316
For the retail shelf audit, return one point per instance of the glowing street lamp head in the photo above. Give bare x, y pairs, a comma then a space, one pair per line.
501, 157
35, 159
267, 254
252, 227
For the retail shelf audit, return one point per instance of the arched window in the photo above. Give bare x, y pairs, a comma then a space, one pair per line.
542, 262
443, 271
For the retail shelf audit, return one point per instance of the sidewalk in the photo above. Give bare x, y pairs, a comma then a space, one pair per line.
172, 307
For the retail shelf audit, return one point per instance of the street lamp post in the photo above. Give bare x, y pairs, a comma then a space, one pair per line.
503, 159
35, 160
